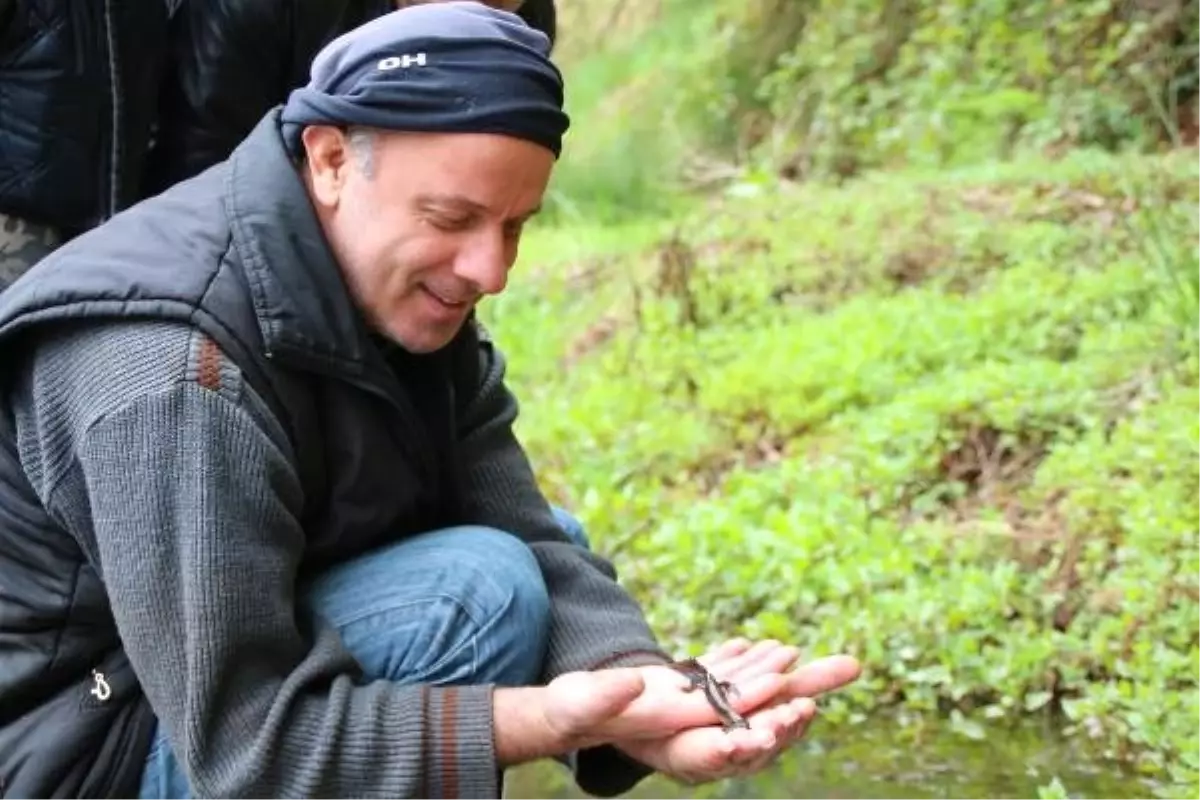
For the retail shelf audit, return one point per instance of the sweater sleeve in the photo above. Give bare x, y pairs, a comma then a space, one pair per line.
594, 621
146, 442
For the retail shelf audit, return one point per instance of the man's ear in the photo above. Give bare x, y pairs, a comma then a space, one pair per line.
328, 160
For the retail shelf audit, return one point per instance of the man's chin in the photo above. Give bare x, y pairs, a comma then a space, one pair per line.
428, 340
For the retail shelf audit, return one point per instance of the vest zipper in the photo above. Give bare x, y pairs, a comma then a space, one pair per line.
114, 73
79, 30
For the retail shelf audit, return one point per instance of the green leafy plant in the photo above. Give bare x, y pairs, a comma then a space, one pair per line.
938, 420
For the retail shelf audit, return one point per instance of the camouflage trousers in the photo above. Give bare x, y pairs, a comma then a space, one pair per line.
23, 244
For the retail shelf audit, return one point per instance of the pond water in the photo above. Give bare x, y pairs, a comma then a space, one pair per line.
880, 759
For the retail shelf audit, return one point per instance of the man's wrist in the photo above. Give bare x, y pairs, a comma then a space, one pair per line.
522, 730
642, 657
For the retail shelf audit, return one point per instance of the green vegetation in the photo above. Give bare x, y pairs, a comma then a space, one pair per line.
688, 93
914, 378
948, 425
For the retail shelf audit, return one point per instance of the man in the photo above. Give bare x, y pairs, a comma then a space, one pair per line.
232, 61
265, 529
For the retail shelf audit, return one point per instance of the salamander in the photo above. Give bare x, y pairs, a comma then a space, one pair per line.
716, 691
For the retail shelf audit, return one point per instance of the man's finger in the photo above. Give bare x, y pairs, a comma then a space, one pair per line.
763, 661
750, 745
703, 754
823, 675
779, 719
758, 690
724, 651
700, 753
794, 720
695, 710
751, 655
807, 713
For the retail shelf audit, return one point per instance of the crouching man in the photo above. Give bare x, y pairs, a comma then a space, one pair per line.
265, 529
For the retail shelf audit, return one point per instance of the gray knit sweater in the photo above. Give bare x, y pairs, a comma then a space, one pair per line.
171, 473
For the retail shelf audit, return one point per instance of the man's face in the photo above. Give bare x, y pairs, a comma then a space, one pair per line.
423, 224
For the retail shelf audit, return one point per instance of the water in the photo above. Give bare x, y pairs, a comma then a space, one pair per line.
882, 759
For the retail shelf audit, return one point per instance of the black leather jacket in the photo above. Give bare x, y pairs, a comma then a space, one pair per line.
78, 89
233, 60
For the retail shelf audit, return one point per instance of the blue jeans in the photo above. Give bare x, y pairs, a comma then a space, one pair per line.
460, 605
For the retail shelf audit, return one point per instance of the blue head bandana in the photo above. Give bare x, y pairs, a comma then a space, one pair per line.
458, 67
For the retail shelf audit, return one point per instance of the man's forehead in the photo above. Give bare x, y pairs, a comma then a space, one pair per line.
503, 5
462, 202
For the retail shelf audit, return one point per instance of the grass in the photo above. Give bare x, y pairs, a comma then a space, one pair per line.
944, 421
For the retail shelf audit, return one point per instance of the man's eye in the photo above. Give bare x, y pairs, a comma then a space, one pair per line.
450, 223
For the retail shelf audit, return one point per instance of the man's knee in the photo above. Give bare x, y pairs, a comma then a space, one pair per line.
459, 605
501, 575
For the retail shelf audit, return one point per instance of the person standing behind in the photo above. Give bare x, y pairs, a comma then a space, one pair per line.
79, 85
231, 61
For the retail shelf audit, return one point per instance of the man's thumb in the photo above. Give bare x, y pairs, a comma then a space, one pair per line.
615, 689
582, 700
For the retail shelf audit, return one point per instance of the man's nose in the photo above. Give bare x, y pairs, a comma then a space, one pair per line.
484, 264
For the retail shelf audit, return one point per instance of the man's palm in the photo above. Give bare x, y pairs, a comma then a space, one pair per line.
776, 700
647, 712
